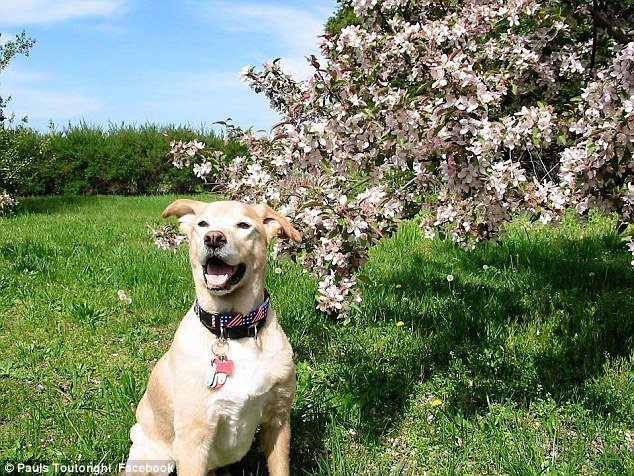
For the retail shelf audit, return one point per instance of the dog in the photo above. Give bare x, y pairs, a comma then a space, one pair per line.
230, 367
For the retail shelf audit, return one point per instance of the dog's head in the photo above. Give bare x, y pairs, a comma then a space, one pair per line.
228, 242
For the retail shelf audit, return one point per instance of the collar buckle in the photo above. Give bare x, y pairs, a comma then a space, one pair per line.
254, 326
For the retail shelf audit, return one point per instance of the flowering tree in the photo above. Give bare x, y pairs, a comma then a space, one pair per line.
465, 113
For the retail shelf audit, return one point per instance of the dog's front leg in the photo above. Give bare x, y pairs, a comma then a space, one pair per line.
276, 440
191, 449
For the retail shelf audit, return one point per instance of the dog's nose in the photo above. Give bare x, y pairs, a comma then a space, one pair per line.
215, 240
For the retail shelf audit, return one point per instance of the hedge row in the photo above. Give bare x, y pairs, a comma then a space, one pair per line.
83, 159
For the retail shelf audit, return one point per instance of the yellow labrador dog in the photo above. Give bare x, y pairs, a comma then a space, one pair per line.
229, 368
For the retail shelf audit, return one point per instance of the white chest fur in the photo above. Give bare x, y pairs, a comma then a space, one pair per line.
233, 412
238, 408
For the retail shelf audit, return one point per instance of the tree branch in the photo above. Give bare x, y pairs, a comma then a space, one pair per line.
612, 30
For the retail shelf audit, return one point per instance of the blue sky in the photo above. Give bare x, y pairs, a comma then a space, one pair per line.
137, 61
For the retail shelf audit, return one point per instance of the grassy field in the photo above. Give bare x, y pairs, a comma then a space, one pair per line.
521, 365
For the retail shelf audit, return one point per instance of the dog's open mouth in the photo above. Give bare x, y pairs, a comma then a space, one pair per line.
220, 275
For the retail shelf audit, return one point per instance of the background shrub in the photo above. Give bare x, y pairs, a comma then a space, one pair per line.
84, 159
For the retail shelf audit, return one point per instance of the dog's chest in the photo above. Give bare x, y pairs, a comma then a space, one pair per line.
250, 395
235, 410
243, 392
238, 409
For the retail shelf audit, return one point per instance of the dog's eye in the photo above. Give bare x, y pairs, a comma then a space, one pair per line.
244, 225
203, 224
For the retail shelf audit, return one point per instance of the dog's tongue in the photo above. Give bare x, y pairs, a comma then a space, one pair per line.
218, 273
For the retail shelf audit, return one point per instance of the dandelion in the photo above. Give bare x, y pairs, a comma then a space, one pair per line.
436, 402
449, 277
399, 286
485, 266
122, 297
278, 270
400, 324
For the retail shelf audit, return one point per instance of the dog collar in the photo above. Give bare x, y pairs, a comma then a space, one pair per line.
233, 325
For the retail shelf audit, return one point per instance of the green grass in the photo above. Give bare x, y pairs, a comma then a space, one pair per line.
529, 350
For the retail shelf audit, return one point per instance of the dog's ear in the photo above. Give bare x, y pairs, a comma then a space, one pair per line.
185, 211
276, 224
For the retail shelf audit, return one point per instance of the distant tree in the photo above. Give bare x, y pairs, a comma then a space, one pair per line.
342, 18
18, 46
11, 163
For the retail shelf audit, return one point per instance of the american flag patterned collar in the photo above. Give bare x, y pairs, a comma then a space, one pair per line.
234, 325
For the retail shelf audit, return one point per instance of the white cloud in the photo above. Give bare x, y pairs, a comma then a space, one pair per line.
44, 104
244, 108
198, 81
297, 28
15, 76
293, 31
27, 12
204, 97
30, 97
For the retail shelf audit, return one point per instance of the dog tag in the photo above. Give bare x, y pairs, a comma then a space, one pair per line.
210, 375
220, 369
